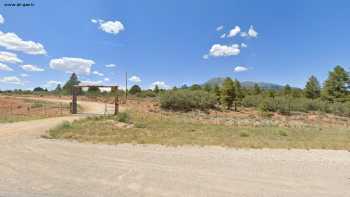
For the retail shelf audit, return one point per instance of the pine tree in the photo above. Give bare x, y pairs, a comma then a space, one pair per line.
207, 87
156, 89
195, 87
58, 88
287, 91
227, 93
217, 93
312, 88
336, 86
135, 89
238, 93
257, 89
271, 93
73, 80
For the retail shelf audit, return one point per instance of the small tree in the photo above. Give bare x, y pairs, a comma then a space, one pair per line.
257, 89
38, 89
135, 89
287, 91
195, 87
93, 89
73, 80
312, 88
336, 85
184, 86
271, 93
238, 96
58, 88
217, 93
207, 87
156, 89
228, 94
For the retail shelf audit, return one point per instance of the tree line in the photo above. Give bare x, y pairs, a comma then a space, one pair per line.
332, 97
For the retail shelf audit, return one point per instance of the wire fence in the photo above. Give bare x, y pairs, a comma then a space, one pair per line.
35, 109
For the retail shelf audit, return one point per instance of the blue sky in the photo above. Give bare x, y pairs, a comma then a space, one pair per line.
164, 42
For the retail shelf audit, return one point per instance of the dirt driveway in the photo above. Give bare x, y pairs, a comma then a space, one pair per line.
33, 166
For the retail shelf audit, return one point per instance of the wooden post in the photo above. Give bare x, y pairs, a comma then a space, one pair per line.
116, 101
74, 101
126, 87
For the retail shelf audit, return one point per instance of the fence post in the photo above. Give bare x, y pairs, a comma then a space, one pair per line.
74, 101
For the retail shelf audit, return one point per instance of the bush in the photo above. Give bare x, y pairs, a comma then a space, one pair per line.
147, 93
123, 117
285, 105
251, 101
187, 100
244, 134
340, 109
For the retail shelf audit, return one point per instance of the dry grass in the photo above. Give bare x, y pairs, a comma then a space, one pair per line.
14, 109
174, 130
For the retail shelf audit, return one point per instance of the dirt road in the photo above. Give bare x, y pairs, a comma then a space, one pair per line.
33, 166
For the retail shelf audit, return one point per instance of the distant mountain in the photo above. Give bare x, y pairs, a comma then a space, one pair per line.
263, 85
219, 80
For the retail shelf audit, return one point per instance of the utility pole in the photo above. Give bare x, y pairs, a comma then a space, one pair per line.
126, 86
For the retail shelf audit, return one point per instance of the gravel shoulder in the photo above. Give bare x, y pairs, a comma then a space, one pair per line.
33, 166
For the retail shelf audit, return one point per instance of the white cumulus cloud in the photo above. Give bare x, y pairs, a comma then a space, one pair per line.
110, 65
223, 35
31, 68
52, 83
106, 79
71, 64
218, 50
252, 33
98, 73
4, 67
88, 82
205, 56
9, 57
24, 75
243, 45
233, 32
11, 80
240, 69
112, 27
160, 84
135, 79
12, 42
2, 19
219, 28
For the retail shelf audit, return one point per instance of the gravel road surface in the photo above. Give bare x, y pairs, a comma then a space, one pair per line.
33, 166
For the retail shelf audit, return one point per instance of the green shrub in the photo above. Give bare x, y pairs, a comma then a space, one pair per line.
140, 125
66, 125
282, 133
187, 100
37, 104
123, 117
340, 109
285, 105
244, 134
147, 93
251, 101
267, 105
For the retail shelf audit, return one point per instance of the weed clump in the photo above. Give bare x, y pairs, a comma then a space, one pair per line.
123, 117
244, 134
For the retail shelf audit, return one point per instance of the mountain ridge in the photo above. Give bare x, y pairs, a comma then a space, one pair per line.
248, 84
